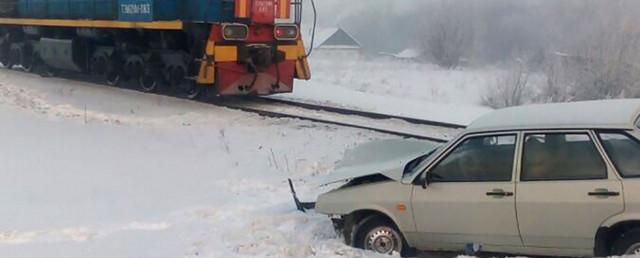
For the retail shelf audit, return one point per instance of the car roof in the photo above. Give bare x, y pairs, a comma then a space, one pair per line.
603, 114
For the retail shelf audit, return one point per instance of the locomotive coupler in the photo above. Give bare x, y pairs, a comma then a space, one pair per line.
259, 56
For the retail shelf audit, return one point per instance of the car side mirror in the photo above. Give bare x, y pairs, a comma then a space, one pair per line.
428, 178
424, 180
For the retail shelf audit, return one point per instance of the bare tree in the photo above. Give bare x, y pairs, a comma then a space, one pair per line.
587, 49
557, 84
511, 88
596, 54
449, 32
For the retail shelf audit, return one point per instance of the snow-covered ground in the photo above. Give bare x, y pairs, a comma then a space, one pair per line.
92, 171
396, 87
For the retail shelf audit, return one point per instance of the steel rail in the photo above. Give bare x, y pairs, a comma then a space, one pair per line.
252, 105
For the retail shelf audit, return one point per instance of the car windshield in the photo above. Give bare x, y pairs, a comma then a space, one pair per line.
418, 162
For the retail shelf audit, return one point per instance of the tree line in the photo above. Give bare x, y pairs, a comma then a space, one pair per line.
586, 49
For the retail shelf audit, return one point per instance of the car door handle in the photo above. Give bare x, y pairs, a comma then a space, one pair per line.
604, 193
499, 193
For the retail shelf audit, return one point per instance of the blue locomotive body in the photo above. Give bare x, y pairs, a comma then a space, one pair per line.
128, 10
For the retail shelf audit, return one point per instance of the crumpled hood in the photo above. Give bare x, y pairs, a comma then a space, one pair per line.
387, 157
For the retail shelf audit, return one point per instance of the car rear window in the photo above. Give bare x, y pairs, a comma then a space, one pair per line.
624, 151
561, 156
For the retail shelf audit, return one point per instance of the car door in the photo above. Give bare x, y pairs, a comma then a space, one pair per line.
470, 196
566, 190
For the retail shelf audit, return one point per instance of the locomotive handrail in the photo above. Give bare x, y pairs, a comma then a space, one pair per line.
313, 32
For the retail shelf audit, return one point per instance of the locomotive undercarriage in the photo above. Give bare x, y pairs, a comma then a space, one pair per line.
148, 59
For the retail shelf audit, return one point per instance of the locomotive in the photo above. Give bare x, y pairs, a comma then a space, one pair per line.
224, 47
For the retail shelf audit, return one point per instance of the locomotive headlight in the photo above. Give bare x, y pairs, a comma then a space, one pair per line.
235, 31
286, 32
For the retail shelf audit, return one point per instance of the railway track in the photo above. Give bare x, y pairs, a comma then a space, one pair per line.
388, 124
277, 108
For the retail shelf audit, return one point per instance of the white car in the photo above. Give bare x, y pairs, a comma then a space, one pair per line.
555, 179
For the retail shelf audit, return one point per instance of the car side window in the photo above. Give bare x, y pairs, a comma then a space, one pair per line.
624, 151
478, 159
561, 156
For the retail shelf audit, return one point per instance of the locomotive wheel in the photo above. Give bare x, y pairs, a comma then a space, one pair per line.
25, 57
112, 75
192, 90
98, 65
180, 85
148, 83
49, 71
37, 65
28, 61
112, 78
150, 78
101, 66
5, 51
134, 66
10, 61
175, 77
28, 66
4, 60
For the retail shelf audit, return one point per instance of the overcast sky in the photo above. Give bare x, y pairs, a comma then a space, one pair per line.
332, 12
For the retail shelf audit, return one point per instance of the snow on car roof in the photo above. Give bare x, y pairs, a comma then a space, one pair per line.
611, 114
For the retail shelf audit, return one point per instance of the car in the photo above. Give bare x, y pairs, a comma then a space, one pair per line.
548, 179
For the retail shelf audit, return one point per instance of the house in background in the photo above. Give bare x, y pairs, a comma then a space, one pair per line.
338, 42
333, 41
410, 54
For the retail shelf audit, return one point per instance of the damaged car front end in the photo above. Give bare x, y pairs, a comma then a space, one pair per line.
376, 185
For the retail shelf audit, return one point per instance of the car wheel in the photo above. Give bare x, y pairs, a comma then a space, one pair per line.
628, 243
380, 235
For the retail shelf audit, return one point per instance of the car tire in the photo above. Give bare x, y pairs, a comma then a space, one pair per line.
628, 243
380, 235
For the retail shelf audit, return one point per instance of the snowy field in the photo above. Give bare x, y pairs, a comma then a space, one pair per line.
92, 171
396, 87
